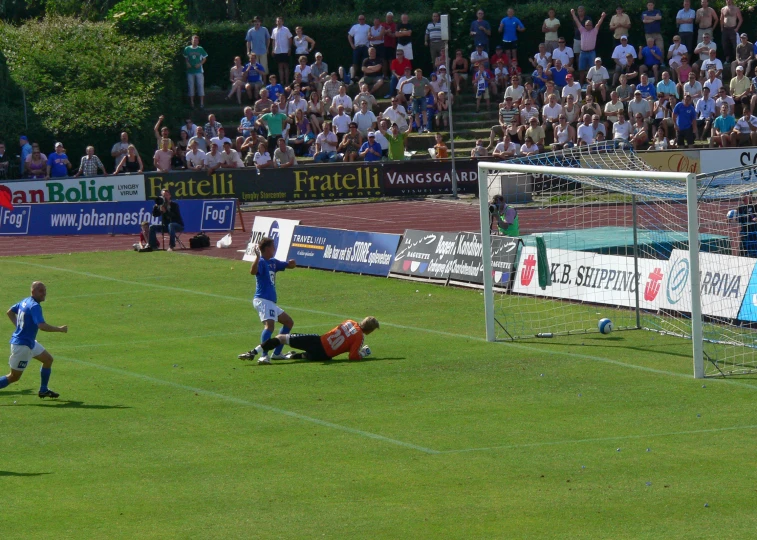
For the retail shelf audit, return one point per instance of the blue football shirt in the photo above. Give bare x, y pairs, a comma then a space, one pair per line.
685, 114
28, 318
266, 278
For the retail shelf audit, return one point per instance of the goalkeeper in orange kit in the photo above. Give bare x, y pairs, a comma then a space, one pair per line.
347, 337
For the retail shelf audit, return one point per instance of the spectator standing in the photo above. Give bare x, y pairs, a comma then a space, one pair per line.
433, 39
303, 45
685, 20
652, 27
130, 163
550, 26
404, 36
390, 40
163, 157
706, 20
358, 36
480, 30
26, 151
397, 142
371, 150
706, 112
652, 58
58, 163
161, 132
588, 42
282, 46
620, 24
684, 122
90, 164
376, 40
274, 122
730, 22
258, 40
238, 79
419, 83
509, 28
745, 55
381, 134
36, 165
195, 57
563, 53
121, 148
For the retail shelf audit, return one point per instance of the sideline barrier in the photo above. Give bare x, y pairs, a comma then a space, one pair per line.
280, 230
344, 251
65, 190
110, 217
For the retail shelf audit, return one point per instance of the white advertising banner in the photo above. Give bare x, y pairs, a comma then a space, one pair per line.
280, 230
730, 158
590, 277
723, 282
98, 189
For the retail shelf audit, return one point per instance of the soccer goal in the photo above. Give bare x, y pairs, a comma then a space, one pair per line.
604, 235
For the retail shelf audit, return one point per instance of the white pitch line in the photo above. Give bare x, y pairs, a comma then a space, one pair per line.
530, 348
94, 294
260, 406
597, 439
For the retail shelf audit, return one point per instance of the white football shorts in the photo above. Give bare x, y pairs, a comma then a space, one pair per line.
21, 355
267, 310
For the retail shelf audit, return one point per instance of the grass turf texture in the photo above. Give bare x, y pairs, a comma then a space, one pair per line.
161, 432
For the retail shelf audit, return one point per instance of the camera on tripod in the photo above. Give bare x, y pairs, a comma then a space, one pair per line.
159, 200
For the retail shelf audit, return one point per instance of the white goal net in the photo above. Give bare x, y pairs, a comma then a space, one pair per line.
606, 236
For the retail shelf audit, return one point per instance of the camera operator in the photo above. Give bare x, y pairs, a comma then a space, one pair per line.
168, 211
505, 215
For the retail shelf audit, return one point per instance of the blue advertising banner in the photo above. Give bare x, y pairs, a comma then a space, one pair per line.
53, 219
342, 250
748, 311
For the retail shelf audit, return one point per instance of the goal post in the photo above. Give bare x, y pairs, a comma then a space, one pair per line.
624, 180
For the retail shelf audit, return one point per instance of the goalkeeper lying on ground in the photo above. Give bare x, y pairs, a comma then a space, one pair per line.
347, 337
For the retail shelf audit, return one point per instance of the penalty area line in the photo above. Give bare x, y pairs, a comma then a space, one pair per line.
253, 404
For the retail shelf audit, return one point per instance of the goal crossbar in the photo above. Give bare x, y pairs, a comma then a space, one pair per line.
687, 180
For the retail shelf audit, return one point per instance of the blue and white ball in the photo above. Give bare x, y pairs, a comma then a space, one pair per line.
731, 215
605, 326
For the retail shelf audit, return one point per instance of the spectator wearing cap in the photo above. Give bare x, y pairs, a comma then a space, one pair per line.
499, 56
399, 66
684, 121
479, 56
481, 30
550, 26
651, 56
706, 20
652, 26
258, 40
433, 38
588, 42
282, 47
90, 164
390, 40
741, 90
685, 20
509, 27
404, 36
371, 150
58, 163
571, 88
620, 56
620, 24
745, 55
597, 78
319, 71
359, 36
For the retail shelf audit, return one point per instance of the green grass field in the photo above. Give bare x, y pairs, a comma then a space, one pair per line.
160, 432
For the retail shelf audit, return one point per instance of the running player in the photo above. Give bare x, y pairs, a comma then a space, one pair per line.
264, 268
27, 318
347, 337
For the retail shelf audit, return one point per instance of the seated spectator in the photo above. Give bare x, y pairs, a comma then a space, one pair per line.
440, 149
220, 138
529, 148
613, 109
195, 157
274, 88
315, 112
691, 86
639, 106
284, 156
713, 62
571, 111
571, 88
255, 75
481, 82
120, 149
515, 91
630, 70
724, 99
564, 54
364, 97
535, 133
303, 45
325, 145
230, 157
370, 149
381, 134
400, 67
675, 51
479, 56
330, 89
596, 80
591, 107
741, 90
304, 137
342, 100
497, 56
238, 79
706, 111
744, 132
550, 114
651, 57
297, 103
722, 127
199, 138
351, 143
558, 74
212, 160
565, 135
667, 86
36, 166
341, 122
508, 114
460, 69
639, 137
263, 105
365, 119
163, 157
405, 87
550, 90
305, 73
703, 51
130, 163
624, 90
441, 81
319, 72
662, 113
538, 79
90, 164
660, 141
647, 89
598, 126
442, 111
745, 55
621, 130
263, 158
542, 58
211, 127
249, 146
620, 57
527, 113
180, 150
479, 151
683, 71
506, 148
396, 113
373, 71
585, 132
247, 123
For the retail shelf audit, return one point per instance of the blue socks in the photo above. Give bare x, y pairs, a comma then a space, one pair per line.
44, 374
266, 335
284, 330
3, 382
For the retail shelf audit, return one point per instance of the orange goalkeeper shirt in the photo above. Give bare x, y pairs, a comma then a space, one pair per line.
348, 336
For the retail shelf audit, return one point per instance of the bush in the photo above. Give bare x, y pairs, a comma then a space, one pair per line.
149, 17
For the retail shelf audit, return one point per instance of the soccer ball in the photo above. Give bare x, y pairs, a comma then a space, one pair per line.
605, 326
731, 214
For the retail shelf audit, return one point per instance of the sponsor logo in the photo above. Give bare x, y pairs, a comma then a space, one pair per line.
15, 221
423, 178
721, 284
528, 270
679, 277
653, 285
273, 233
362, 181
216, 185
217, 216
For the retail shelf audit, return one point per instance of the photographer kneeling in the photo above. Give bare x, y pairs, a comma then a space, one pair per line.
505, 215
168, 210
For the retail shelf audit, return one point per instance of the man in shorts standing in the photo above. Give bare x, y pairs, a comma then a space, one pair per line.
264, 268
27, 318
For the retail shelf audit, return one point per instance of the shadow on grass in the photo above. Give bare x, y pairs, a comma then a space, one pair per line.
27, 392
328, 362
63, 404
612, 342
11, 473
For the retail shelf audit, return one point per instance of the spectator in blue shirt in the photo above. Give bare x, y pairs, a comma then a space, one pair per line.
371, 150
26, 150
258, 40
684, 121
274, 89
509, 28
57, 163
480, 30
255, 73
667, 86
651, 19
651, 56
722, 127
685, 20
647, 89
558, 74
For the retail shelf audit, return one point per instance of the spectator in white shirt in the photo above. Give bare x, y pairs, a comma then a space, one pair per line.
212, 158
621, 129
195, 157
571, 88
263, 158
506, 148
596, 79
359, 36
342, 100
745, 131
341, 122
563, 53
230, 158
480, 56
396, 114
282, 45
365, 119
542, 58
703, 50
585, 132
706, 113
550, 115
675, 51
692, 87
713, 83
619, 55
713, 62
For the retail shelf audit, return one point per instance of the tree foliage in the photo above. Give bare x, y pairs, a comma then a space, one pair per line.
149, 17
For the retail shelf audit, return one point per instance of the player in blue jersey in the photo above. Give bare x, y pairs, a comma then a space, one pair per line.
28, 319
264, 268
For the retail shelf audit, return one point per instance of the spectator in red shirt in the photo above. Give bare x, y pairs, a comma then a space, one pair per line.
499, 55
390, 42
399, 65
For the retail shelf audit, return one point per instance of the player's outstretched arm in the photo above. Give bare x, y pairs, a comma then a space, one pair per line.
50, 328
291, 263
255, 261
12, 316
